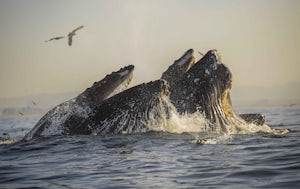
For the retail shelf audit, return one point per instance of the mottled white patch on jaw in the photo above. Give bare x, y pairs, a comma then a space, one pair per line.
124, 73
207, 72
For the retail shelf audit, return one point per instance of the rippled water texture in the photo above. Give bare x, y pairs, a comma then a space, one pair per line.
154, 159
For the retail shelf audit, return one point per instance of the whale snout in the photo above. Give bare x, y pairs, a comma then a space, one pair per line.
130, 68
124, 71
213, 56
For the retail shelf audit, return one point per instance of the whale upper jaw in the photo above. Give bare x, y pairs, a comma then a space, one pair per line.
179, 67
112, 84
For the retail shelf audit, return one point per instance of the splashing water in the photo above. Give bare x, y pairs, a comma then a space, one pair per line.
166, 118
241, 127
173, 122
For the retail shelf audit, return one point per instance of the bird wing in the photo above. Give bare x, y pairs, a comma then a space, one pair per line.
55, 38
78, 28
70, 40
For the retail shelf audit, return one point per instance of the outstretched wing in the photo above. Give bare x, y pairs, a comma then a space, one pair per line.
55, 38
71, 34
78, 28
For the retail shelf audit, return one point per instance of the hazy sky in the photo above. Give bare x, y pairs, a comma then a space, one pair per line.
258, 40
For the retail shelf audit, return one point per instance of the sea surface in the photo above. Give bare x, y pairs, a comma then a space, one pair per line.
154, 159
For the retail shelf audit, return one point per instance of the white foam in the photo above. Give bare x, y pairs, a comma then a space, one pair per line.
220, 139
188, 123
172, 121
249, 128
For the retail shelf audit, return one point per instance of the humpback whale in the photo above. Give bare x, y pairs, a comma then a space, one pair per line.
205, 88
187, 87
177, 70
130, 111
81, 106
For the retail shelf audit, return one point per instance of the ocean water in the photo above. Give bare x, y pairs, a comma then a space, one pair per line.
154, 159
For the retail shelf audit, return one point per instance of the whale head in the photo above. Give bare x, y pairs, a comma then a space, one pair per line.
109, 86
205, 87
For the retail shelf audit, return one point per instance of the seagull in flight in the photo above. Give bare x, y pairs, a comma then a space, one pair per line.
69, 36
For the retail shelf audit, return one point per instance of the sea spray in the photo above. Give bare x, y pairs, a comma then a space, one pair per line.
215, 139
195, 122
171, 121
241, 127
166, 118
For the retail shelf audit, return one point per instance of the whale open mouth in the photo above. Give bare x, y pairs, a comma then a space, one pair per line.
205, 87
214, 84
219, 78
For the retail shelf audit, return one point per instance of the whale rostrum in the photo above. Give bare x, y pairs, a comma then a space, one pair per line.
186, 88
